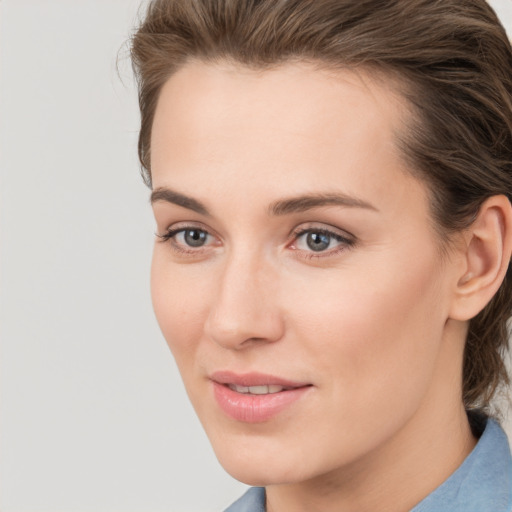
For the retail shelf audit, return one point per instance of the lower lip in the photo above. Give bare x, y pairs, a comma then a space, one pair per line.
249, 408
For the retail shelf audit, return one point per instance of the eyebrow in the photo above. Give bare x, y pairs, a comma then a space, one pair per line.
310, 201
281, 207
171, 196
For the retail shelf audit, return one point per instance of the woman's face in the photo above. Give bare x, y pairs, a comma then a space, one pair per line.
297, 278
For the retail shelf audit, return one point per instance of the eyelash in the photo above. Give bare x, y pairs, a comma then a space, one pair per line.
169, 235
345, 241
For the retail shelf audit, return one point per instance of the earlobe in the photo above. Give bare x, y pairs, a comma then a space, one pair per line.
487, 253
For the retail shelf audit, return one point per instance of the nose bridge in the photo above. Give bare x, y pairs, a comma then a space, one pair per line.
245, 307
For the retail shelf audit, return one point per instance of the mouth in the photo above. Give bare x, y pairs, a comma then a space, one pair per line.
255, 398
258, 390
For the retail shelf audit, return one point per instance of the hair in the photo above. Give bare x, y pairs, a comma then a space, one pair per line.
454, 62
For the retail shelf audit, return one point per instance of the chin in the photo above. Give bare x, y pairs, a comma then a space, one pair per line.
261, 466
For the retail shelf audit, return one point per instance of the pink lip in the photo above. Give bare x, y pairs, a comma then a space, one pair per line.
249, 408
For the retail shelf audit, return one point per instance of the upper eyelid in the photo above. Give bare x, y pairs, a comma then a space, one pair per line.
342, 239
184, 225
171, 232
325, 228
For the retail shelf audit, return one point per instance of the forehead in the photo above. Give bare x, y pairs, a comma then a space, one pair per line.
222, 127
206, 101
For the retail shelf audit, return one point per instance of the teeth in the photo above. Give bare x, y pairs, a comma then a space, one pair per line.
257, 390
274, 388
239, 389
262, 390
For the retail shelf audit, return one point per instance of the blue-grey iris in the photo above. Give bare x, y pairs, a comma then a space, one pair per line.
195, 237
318, 241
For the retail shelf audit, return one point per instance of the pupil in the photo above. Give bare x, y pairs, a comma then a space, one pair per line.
318, 241
195, 237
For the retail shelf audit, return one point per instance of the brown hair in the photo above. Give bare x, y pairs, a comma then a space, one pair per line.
455, 62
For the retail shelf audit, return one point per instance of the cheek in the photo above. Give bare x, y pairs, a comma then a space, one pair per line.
373, 329
372, 340
178, 302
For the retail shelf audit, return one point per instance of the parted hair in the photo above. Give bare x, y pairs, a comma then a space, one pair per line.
454, 63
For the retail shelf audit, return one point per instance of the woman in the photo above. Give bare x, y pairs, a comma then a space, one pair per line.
331, 183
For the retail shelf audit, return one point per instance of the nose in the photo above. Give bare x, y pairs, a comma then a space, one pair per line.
245, 310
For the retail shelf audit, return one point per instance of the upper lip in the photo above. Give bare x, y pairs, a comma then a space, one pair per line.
254, 379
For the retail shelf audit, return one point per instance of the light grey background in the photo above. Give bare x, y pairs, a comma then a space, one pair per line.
93, 413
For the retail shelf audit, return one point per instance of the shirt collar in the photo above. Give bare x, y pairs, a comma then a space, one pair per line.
483, 482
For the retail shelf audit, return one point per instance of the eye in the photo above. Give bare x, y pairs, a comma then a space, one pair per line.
317, 241
192, 237
187, 239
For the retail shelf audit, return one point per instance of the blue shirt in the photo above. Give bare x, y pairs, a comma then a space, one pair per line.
483, 482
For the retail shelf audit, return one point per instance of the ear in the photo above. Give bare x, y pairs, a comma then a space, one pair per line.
485, 256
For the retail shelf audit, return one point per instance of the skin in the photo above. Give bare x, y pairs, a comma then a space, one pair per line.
369, 322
